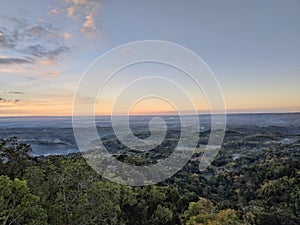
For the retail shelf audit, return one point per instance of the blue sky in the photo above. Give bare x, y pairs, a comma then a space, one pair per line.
253, 48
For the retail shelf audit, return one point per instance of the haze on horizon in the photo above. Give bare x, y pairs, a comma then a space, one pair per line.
253, 48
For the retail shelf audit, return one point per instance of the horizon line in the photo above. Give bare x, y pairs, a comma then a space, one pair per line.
160, 114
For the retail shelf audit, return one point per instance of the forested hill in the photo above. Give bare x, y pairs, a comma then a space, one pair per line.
255, 179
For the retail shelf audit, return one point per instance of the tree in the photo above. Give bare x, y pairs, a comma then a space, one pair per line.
18, 205
37, 182
13, 157
162, 215
99, 205
203, 213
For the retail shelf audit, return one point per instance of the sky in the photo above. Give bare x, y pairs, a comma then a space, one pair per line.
252, 47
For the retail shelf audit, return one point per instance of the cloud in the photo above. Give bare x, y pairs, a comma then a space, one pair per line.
30, 43
38, 31
14, 61
77, 8
41, 52
58, 51
35, 50
66, 35
19, 22
84, 11
40, 20
3, 100
14, 92
8, 39
125, 50
55, 11
52, 73
34, 71
89, 26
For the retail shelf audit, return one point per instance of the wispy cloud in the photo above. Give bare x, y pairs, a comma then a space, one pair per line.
89, 26
34, 71
125, 50
4, 100
29, 43
41, 52
31, 49
66, 35
52, 73
83, 12
13, 61
55, 11
14, 92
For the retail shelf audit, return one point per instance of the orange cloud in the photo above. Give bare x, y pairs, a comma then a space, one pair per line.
89, 26
86, 11
66, 35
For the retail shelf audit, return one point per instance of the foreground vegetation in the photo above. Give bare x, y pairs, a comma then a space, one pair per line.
252, 181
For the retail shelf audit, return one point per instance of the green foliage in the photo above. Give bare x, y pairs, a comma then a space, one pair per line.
99, 205
260, 187
14, 157
18, 205
162, 215
203, 213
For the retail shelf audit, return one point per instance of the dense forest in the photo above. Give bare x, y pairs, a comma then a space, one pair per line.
255, 179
